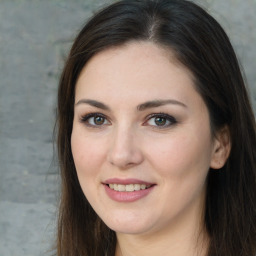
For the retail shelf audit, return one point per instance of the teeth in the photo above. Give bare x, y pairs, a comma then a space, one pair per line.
143, 186
136, 187
121, 187
128, 188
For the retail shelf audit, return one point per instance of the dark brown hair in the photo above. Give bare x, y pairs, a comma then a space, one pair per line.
201, 45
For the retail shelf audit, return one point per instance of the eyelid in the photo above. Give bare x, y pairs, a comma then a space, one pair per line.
84, 119
168, 117
172, 120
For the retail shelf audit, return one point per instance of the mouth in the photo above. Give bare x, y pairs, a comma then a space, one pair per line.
128, 187
127, 190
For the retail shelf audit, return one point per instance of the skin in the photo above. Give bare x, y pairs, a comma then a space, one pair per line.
129, 143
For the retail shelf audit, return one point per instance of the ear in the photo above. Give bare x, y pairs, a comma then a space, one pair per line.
221, 148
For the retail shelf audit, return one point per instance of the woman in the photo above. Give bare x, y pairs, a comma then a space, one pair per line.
156, 137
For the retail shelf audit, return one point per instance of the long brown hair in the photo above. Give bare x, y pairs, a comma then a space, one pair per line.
202, 46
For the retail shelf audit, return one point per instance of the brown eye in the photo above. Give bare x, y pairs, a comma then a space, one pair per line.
160, 121
95, 120
99, 120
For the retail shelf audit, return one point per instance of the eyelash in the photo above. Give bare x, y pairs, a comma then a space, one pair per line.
85, 119
168, 118
172, 121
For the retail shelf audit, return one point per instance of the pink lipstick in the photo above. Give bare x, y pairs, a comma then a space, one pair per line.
127, 190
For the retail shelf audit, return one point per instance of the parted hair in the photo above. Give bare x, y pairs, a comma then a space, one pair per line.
201, 45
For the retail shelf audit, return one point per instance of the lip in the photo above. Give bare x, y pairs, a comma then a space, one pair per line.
127, 197
126, 181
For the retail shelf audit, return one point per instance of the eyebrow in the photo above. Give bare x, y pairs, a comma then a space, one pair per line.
158, 103
93, 103
141, 107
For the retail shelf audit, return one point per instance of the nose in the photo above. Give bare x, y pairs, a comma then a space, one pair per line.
124, 151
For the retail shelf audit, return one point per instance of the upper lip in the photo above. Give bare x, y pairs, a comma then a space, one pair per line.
126, 181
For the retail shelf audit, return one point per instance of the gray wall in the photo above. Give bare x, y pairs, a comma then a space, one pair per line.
34, 38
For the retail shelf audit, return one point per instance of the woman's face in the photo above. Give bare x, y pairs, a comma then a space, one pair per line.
141, 139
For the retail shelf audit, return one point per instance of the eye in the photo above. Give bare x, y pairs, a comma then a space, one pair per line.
160, 120
95, 120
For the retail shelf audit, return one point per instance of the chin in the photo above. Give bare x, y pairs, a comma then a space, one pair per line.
129, 225
128, 229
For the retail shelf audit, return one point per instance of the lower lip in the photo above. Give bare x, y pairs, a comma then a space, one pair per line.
127, 196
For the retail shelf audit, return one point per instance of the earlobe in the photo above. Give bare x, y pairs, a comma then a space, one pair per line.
221, 149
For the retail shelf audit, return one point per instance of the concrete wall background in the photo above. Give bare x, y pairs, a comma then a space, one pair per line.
34, 39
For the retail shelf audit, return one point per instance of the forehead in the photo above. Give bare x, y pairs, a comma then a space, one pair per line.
141, 51
135, 68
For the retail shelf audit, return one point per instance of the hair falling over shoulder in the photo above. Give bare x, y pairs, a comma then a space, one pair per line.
201, 45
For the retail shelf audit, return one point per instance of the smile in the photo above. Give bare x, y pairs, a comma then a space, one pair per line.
129, 187
127, 190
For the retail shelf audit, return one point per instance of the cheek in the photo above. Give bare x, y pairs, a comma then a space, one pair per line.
182, 164
87, 154
88, 157
182, 155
